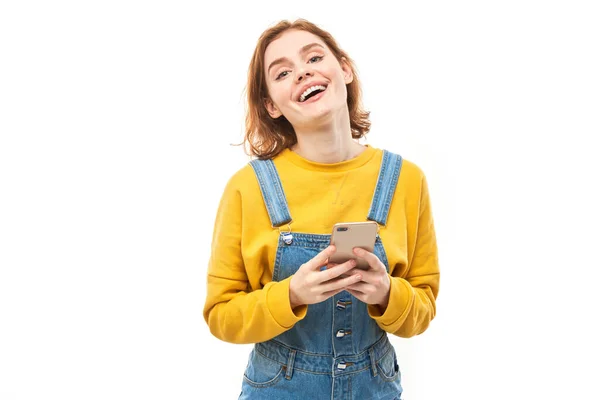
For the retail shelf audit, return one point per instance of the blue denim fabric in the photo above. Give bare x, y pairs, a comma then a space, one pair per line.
386, 185
337, 351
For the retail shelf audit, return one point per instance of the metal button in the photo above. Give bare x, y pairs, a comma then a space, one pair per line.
341, 304
287, 238
343, 332
344, 364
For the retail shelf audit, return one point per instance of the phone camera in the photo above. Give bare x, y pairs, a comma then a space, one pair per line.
342, 229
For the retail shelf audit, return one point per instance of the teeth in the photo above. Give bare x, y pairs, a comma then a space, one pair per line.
310, 90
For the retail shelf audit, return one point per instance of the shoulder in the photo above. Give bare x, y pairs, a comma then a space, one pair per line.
242, 181
243, 188
410, 171
412, 182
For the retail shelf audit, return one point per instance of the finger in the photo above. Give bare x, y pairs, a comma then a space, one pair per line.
332, 273
368, 276
357, 294
328, 266
370, 258
333, 293
340, 283
359, 287
320, 259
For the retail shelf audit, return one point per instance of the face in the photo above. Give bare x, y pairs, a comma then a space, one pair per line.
299, 59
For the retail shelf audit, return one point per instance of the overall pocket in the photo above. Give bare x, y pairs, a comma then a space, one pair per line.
262, 372
387, 366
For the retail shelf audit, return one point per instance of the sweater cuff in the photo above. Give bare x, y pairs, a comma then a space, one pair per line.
401, 294
278, 303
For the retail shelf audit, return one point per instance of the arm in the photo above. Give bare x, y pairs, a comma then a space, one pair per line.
235, 311
411, 305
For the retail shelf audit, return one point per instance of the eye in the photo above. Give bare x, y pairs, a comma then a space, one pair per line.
279, 76
285, 72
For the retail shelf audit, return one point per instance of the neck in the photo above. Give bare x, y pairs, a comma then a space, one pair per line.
328, 142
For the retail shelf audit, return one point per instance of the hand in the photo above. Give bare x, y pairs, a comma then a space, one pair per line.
375, 285
310, 285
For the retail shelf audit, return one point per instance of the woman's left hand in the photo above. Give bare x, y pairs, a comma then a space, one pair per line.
374, 287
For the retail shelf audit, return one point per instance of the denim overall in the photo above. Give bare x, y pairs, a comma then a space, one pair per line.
337, 351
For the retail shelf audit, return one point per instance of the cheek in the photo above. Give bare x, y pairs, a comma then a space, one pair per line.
340, 88
280, 93
338, 77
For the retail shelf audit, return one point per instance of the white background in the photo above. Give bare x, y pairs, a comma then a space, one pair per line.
116, 120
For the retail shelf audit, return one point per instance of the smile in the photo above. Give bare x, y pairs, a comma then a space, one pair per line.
314, 97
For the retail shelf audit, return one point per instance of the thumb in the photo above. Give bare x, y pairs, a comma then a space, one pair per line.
321, 259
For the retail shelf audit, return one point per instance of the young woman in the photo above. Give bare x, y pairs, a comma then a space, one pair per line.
320, 329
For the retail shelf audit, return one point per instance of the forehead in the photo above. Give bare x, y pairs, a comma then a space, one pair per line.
288, 44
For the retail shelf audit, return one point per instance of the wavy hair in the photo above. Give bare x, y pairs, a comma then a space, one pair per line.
265, 137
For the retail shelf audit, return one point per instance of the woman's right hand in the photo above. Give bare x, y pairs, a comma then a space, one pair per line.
310, 285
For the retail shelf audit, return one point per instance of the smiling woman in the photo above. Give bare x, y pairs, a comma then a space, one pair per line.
282, 51
320, 329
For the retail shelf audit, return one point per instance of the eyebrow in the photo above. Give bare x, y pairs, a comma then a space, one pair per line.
303, 50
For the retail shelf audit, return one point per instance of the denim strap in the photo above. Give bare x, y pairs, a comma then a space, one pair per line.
289, 368
272, 192
391, 164
373, 362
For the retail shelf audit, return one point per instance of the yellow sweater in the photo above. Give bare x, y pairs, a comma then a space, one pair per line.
243, 305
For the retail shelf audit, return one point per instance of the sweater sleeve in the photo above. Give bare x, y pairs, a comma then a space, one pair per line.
235, 311
411, 306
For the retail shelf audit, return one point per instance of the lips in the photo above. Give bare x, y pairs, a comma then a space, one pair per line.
314, 98
306, 86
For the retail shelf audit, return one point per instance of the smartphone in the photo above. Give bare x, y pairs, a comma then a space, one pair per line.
346, 236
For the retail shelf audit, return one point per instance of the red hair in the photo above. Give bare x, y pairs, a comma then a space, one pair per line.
266, 137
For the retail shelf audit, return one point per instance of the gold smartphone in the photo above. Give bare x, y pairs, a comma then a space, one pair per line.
348, 235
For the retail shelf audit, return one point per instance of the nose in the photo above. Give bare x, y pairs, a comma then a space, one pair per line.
302, 75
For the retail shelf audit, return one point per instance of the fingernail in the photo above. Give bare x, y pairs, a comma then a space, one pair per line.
359, 251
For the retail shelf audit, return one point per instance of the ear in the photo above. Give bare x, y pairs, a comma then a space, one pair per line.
348, 75
272, 109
